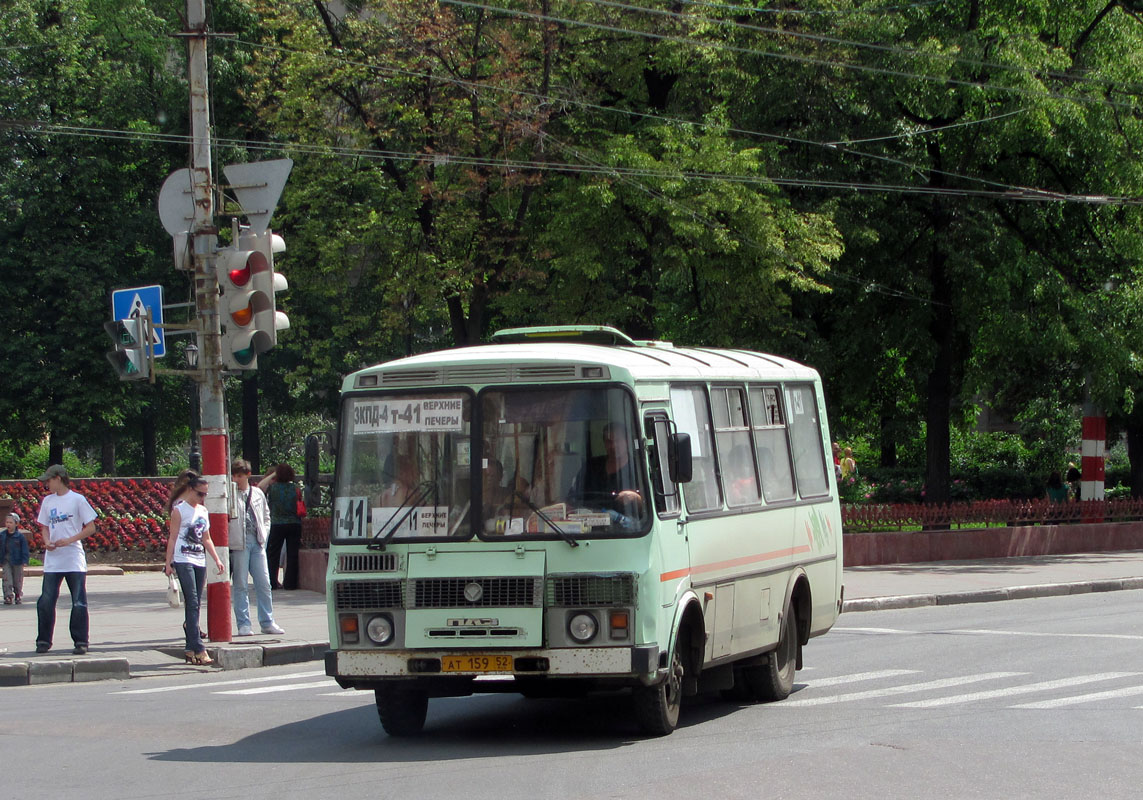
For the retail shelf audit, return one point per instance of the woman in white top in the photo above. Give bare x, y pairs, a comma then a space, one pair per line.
187, 545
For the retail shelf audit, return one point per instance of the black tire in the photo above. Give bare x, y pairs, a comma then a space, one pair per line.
402, 711
774, 680
657, 707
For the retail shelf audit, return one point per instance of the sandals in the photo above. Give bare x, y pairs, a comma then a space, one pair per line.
202, 659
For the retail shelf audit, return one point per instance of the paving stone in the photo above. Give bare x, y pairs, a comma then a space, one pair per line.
101, 669
14, 673
238, 657
293, 653
49, 672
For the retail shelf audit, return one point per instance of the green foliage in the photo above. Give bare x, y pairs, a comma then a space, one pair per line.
716, 181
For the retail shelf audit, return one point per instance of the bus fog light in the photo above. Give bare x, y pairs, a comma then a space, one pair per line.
582, 627
380, 630
348, 624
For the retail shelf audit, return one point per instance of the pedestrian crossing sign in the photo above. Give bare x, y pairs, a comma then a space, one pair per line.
131, 303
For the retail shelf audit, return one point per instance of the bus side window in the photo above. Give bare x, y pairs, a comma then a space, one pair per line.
665, 490
739, 474
692, 415
806, 439
769, 424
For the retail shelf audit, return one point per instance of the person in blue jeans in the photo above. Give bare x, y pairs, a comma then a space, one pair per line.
65, 519
248, 532
188, 544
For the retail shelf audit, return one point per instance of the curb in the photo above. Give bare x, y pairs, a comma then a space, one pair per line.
78, 670
990, 595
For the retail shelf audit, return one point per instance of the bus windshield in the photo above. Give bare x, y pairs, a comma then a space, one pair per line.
405, 468
561, 461
549, 463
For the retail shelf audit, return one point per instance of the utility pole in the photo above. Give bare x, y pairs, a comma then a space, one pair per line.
213, 432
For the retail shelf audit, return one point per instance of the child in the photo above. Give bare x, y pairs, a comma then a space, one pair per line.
13, 557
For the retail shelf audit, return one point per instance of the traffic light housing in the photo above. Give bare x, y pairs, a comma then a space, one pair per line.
248, 304
132, 354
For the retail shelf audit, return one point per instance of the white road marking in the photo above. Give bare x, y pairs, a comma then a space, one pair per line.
944, 683
1084, 698
985, 632
1134, 637
876, 630
212, 684
289, 687
1044, 686
860, 676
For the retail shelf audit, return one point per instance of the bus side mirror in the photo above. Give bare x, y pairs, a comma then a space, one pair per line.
679, 457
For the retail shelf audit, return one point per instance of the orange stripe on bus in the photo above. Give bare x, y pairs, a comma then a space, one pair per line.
734, 562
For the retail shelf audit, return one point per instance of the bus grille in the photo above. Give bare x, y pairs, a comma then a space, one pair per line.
367, 595
367, 562
494, 593
567, 591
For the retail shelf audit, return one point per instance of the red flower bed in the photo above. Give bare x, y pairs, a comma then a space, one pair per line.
131, 511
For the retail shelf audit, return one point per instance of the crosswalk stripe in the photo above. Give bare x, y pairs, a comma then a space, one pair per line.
289, 687
1084, 698
860, 676
1029, 688
944, 683
212, 684
1133, 637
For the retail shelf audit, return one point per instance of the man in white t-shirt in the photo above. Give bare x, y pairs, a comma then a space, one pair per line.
66, 519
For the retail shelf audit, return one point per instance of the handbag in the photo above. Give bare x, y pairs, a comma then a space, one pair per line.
301, 509
174, 592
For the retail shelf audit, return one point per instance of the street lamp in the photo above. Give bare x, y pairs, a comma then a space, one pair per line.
195, 456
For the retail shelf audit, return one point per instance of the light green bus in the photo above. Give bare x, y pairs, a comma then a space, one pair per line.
568, 510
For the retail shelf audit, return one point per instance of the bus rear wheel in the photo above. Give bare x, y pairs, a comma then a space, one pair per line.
657, 707
402, 711
774, 679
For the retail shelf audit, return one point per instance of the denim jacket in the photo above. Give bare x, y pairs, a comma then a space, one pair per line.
13, 547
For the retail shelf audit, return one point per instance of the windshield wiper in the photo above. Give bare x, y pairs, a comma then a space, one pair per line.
544, 517
409, 505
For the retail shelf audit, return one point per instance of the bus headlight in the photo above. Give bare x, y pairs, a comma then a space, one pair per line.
379, 629
582, 627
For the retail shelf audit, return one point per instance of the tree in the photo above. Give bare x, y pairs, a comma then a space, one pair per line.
79, 214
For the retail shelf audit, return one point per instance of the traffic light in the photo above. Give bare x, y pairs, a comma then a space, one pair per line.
248, 284
132, 354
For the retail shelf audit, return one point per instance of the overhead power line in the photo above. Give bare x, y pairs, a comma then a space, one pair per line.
882, 48
810, 60
1023, 194
838, 147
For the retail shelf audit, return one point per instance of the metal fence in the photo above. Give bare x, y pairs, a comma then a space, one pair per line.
985, 513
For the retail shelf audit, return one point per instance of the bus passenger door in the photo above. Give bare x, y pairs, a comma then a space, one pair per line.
672, 556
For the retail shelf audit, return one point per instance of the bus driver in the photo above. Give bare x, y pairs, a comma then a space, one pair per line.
608, 481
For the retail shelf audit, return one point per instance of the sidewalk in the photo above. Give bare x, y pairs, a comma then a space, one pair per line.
135, 633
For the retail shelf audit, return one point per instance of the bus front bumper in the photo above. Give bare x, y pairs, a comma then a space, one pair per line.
580, 662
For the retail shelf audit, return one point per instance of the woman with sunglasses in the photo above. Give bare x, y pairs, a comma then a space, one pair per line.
187, 545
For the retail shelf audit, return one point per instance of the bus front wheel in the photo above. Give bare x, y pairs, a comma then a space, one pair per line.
657, 707
402, 711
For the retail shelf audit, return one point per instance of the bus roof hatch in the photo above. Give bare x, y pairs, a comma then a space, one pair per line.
579, 334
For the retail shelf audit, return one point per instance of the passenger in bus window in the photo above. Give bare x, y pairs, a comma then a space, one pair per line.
496, 495
399, 478
608, 481
742, 485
